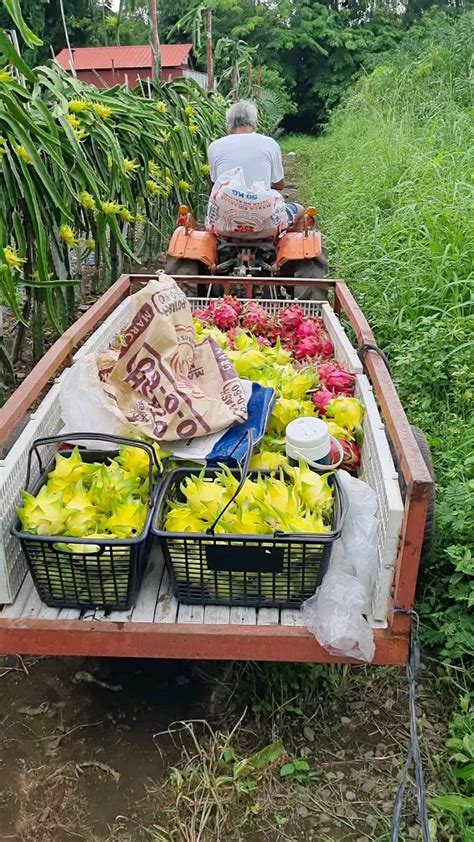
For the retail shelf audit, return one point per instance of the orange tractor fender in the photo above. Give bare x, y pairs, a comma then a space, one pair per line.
194, 245
296, 245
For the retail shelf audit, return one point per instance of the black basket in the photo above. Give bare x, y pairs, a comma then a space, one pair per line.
109, 575
280, 570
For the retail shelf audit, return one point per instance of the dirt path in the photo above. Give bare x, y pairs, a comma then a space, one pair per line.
80, 758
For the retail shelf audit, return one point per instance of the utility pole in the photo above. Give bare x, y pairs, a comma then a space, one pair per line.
210, 57
155, 43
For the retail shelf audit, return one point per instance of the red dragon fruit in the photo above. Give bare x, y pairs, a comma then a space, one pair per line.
254, 318
232, 336
351, 458
327, 348
309, 347
291, 317
202, 315
321, 398
307, 328
224, 316
336, 378
233, 302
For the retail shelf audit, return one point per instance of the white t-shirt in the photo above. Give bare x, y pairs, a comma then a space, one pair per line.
258, 155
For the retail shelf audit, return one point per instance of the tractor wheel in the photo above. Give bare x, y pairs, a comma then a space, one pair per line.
178, 266
317, 268
425, 451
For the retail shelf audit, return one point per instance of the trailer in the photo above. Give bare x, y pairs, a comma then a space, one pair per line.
158, 626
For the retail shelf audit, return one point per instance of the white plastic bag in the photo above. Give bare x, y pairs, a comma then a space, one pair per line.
84, 405
235, 209
336, 614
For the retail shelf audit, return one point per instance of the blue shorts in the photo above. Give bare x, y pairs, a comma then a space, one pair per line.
292, 211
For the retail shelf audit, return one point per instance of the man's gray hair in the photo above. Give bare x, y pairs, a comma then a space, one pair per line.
243, 113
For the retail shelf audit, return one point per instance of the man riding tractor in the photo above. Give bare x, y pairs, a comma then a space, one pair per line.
246, 169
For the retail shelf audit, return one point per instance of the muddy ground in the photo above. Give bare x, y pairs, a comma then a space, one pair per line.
86, 754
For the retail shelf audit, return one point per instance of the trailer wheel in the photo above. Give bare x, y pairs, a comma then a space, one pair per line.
317, 268
430, 524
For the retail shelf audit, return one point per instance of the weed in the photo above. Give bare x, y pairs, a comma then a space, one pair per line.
298, 771
212, 780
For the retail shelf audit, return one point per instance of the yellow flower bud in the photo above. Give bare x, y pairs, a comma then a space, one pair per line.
13, 258
67, 235
87, 201
78, 105
23, 154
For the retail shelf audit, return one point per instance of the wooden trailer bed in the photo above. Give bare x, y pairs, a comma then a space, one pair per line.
158, 627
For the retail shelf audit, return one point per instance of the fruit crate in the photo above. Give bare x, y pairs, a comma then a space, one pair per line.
256, 571
98, 572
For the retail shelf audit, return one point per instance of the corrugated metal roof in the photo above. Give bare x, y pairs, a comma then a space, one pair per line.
104, 58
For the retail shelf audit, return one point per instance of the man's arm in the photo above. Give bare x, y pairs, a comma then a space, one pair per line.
211, 160
278, 175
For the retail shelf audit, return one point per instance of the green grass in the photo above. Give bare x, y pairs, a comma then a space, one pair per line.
392, 180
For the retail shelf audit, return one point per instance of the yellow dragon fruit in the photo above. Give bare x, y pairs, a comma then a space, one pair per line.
250, 490
286, 410
181, 518
205, 497
313, 488
267, 460
41, 513
80, 523
247, 363
347, 412
127, 519
134, 461
339, 432
243, 521
68, 470
296, 384
279, 496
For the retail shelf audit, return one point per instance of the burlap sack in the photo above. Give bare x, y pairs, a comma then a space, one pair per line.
164, 385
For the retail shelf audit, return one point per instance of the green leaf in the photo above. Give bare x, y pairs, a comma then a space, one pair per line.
287, 770
7, 48
466, 773
261, 760
14, 10
453, 803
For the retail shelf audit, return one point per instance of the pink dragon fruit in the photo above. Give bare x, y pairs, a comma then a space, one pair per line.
352, 456
224, 316
336, 378
233, 302
309, 347
232, 336
307, 328
291, 317
327, 348
254, 318
321, 398
202, 315
263, 341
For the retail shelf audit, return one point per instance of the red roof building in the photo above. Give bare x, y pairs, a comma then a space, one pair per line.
109, 66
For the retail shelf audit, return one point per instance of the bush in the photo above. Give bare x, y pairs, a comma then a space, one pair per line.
391, 178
